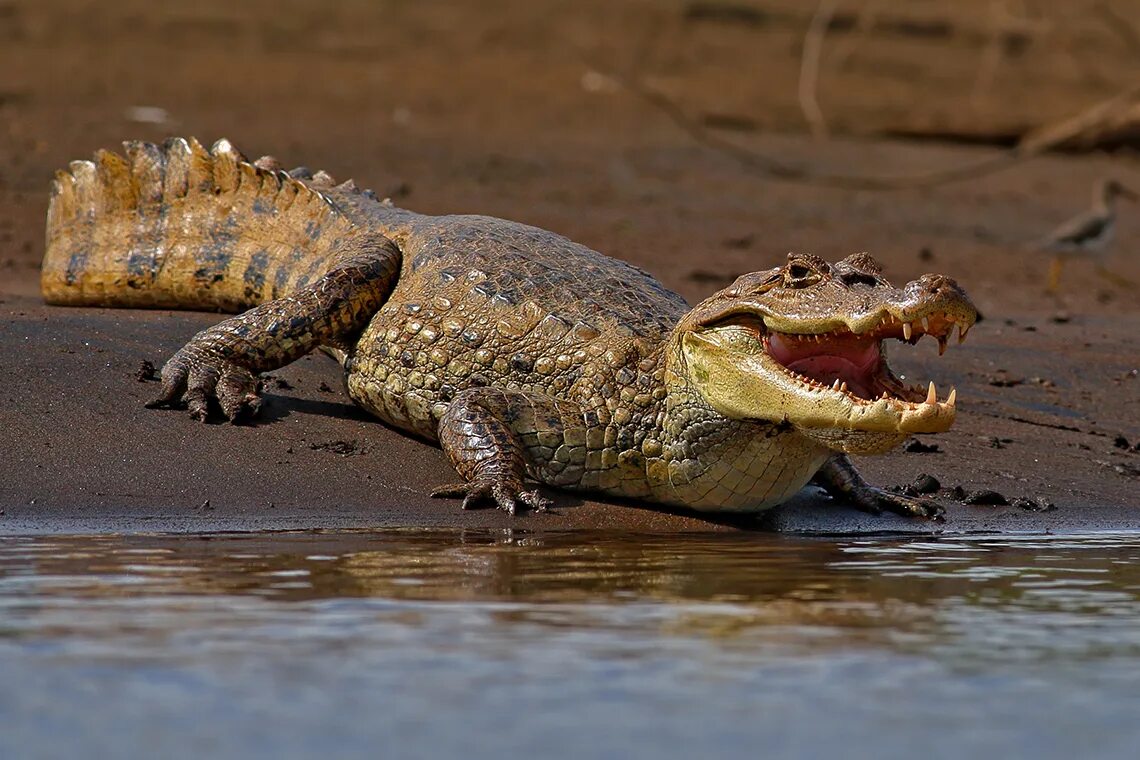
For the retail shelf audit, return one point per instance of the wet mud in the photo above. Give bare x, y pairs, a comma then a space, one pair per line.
507, 109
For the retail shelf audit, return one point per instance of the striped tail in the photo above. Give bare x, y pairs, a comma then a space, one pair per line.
179, 227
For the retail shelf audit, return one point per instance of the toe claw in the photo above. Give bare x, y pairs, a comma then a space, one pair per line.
910, 506
871, 508
503, 495
535, 500
198, 403
875, 501
504, 498
194, 378
450, 491
173, 386
236, 392
934, 511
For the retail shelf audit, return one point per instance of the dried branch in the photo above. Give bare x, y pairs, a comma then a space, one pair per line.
1106, 116
991, 54
865, 20
1122, 27
761, 164
752, 160
755, 162
809, 67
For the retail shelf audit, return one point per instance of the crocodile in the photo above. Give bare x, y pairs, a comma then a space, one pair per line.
530, 359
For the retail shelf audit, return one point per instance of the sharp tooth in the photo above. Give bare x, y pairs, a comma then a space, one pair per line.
962, 333
931, 394
906, 330
925, 325
952, 397
843, 387
835, 385
884, 395
941, 344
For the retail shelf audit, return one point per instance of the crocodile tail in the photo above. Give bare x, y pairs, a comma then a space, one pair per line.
179, 227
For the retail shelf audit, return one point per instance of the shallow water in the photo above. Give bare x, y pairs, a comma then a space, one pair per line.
459, 643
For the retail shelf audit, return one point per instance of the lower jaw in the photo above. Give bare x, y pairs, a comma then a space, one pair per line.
858, 442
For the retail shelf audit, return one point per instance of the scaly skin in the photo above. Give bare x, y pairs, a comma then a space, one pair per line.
524, 355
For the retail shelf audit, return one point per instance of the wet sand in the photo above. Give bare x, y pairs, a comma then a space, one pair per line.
446, 112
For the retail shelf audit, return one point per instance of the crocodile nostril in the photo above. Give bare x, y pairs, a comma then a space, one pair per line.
851, 278
932, 283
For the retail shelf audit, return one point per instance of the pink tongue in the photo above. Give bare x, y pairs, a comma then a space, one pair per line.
849, 361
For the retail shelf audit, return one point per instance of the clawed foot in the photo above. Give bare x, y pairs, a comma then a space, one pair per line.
195, 379
876, 501
500, 493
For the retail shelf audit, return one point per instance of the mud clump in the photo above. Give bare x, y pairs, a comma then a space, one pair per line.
344, 448
146, 372
1037, 504
915, 446
985, 497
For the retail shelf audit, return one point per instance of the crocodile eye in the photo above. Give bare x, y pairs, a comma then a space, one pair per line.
804, 269
800, 276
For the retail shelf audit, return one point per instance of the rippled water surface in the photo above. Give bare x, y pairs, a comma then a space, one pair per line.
475, 644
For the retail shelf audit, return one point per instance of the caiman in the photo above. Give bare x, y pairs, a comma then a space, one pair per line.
525, 356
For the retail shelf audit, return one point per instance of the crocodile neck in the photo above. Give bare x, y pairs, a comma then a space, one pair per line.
712, 462
673, 448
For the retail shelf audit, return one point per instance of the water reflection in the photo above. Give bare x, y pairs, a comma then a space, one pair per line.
480, 644
966, 600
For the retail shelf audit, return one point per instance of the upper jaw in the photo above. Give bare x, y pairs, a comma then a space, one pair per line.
931, 305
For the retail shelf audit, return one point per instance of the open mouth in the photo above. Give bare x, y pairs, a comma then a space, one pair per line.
812, 353
855, 364
825, 373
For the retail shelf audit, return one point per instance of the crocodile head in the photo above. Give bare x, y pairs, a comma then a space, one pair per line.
803, 345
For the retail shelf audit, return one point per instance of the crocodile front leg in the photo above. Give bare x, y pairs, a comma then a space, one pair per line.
223, 361
495, 438
843, 483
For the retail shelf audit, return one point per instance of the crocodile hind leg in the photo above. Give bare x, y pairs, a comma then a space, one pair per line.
223, 361
843, 483
495, 437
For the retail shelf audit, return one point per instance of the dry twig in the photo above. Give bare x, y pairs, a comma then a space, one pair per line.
809, 67
1121, 26
865, 20
1035, 143
1115, 114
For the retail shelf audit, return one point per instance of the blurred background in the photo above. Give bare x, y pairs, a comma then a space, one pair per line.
616, 123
